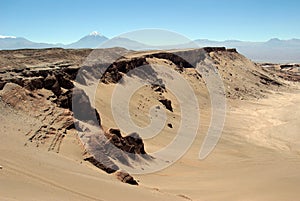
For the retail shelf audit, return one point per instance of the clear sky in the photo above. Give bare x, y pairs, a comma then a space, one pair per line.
65, 21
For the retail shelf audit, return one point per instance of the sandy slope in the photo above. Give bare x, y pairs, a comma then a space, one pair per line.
257, 157
30, 173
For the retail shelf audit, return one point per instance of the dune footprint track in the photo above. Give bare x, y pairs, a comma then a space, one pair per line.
13, 167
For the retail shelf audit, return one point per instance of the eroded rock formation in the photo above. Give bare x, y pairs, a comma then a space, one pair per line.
42, 83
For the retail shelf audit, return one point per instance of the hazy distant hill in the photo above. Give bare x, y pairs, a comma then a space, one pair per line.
93, 40
274, 50
125, 43
9, 43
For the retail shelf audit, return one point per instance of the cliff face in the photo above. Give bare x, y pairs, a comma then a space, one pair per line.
241, 77
51, 85
48, 92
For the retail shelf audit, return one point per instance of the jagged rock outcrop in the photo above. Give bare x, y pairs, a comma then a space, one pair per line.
158, 88
33, 83
126, 178
167, 103
50, 93
107, 149
53, 122
131, 143
47, 90
49, 81
170, 125
102, 162
290, 72
114, 72
2, 85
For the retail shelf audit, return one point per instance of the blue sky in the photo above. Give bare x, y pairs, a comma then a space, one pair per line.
65, 21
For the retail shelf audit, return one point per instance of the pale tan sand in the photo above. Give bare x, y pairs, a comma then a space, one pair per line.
257, 158
31, 173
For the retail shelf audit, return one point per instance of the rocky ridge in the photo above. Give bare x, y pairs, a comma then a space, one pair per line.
44, 84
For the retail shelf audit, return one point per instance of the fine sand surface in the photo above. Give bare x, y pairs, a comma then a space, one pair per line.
30, 173
257, 158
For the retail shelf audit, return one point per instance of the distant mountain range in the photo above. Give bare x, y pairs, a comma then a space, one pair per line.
274, 50
90, 41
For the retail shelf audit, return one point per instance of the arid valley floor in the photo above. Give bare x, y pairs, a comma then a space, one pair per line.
43, 156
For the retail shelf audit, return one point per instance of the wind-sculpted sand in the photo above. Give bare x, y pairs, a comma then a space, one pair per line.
50, 150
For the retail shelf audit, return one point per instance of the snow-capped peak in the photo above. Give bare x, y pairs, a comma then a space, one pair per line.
7, 37
95, 33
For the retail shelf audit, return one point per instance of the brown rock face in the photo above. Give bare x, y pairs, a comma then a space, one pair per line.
49, 93
33, 83
49, 81
132, 143
115, 70
64, 79
52, 122
126, 178
65, 100
104, 164
167, 103
2, 85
